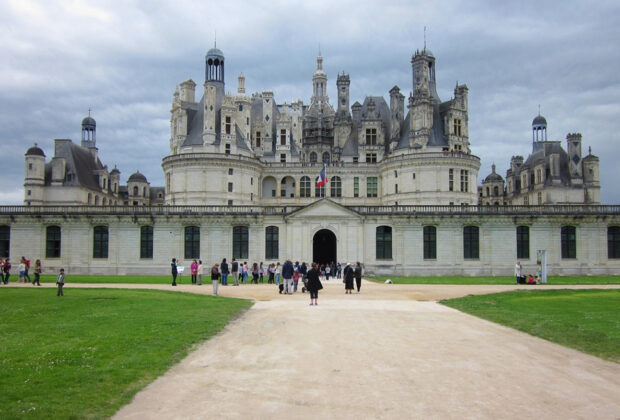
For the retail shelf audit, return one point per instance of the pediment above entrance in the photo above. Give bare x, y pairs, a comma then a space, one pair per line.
324, 209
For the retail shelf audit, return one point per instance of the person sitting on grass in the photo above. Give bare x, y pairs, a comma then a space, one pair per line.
530, 280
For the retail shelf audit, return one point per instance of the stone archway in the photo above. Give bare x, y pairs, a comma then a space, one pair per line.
324, 247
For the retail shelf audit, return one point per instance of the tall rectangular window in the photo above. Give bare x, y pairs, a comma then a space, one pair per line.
52, 242
569, 242
384, 243
283, 137
230, 187
613, 242
470, 242
336, 187
5, 241
451, 180
257, 139
228, 125
146, 242
371, 158
282, 157
523, 242
430, 242
356, 186
192, 242
271, 242
305, 186
371, 186
371, 136
100, 242
240, 242
227, 149
464, 180
457, 127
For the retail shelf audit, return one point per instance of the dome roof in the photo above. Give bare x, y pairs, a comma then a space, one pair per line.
115, 171
35, 151
89, 122
493, 177
215, 52
539, 120
137, 177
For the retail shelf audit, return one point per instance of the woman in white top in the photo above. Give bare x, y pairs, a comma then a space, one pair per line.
200, 269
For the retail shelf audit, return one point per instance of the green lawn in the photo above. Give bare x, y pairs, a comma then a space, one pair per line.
495, 280
86, 354
586, 320
85, 278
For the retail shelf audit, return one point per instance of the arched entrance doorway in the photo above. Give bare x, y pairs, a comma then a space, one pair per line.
324, 249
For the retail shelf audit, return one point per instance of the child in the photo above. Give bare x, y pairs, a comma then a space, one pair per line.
60, 281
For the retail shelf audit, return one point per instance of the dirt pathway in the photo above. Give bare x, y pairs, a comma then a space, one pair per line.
380, 354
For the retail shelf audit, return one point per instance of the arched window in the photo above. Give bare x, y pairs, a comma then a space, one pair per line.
336, 187
523, 242
470, 242
271, 242
613, 242
104, 201
192, 242
144, 192
100, 241
305, 186
52, 242
495, 191
96, 200
569, 242
135, 190
90, 198
384, 243
240, 242
313, 157
430, 242
5, 241
325, 157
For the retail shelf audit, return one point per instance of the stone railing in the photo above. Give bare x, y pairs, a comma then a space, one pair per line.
164, 210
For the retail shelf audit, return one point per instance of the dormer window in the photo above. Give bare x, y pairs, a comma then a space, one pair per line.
371, 136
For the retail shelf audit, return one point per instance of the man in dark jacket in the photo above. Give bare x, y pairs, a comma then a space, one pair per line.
224, 272
357, 272
235, 271
287, 275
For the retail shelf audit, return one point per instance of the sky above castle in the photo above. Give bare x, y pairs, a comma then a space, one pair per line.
60, 58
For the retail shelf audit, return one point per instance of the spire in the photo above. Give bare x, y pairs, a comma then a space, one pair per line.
319, 61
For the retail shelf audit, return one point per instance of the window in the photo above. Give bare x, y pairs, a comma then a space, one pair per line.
240, 242
464, 180
457, 127
371, 158
135, 191
451, 180
470, 242
52, 242
569, 242
430, 242
336, 187
371, 136
230, 203
384, 242
613, 242
413, 175
356, 186
271, 242
313, 157
355, 159
5, 241
304, 187
395, 188
523, 242
29, 192
283, 157
325, 157
192, 242
495, 191
319, 192
230, 171
146, 242
371, 186
100, 242
395, 174
539, 197
526, 200
283, 137
230, 187
227, 149
258, 139
227, 125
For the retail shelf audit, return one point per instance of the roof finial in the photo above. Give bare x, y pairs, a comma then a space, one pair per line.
424, 38
215, 39
539, 110
89, 111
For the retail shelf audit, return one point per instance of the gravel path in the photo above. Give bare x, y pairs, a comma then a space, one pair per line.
390, 352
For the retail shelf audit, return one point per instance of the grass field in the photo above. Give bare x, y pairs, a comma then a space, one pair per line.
85, 278
586, 320
86, 354
496, 280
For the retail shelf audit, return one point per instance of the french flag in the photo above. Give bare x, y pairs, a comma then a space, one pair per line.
322, 179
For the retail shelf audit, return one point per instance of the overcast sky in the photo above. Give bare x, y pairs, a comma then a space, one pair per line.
124, 59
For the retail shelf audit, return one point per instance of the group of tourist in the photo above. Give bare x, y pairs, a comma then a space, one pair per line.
525, 278
23, 269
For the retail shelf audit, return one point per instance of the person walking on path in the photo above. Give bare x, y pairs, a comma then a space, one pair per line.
296, 276
518, 269
254, 273
1, 271
271, 270
194, 271
287, 274
225, 272
261, 271
21, 270
357, 273
6, 268
215, 276
60, 281
37, 273
314, 285
348, 279
26, 275
245, 272
173, 266
278, 272
234, 269
200, 272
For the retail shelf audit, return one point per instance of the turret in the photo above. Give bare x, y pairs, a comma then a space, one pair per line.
591, 180
34, 181
397, 112
213, 93
343, 83
188, 91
